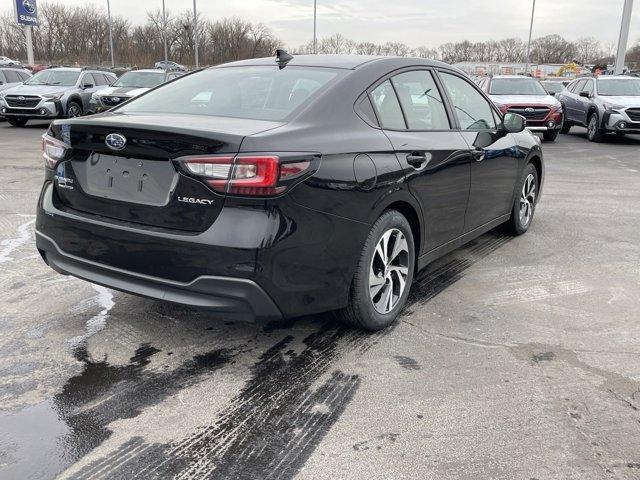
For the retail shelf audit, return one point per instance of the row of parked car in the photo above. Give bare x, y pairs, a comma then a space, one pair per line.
66, 92
603, 104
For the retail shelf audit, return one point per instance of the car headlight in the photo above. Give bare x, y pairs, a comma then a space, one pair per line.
94, 97
53, 96
611, 106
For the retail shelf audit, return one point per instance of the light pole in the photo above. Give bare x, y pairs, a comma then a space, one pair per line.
195, 32
113, 64
315, 42
624, 36
533, 10
164, 35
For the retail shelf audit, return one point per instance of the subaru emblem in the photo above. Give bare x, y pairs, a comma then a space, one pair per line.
21, 98
115, 141
529, 109
29, 6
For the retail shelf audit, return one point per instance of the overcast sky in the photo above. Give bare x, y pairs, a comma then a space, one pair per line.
414, 22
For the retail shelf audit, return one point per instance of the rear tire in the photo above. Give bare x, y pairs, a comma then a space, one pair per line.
566, 126
524, 205
17, 122
550, 136
594, 133
383, 276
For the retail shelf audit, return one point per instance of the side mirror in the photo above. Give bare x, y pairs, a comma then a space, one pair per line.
553, 94
87, 85
585, 94
513, 123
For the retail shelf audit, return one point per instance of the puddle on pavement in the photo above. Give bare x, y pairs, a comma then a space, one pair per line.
292, 398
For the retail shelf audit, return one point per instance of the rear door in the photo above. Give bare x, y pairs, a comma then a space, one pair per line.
571, 103
434, 157
495, 165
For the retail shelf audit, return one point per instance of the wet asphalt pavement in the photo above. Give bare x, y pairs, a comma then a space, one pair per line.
517, 358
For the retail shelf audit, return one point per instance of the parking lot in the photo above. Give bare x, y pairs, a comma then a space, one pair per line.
517, 358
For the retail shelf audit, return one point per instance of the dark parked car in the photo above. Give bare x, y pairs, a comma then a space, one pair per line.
527, 97
607, 104
266, 191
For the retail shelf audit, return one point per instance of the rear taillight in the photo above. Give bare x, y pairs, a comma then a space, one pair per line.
52, 151
248, 175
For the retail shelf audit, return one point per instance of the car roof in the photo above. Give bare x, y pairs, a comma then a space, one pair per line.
349, 62
615, 77
147, 70
514, 76
14, 67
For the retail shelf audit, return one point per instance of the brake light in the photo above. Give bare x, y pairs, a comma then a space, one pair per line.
247, 175
52, 151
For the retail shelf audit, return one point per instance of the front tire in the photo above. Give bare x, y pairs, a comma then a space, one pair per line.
594, 133
550, 136
17, 121
524, 205
74, 109
383, 275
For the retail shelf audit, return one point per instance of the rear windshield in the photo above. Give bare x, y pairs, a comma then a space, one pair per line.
140, 79
554, 87
259, 93
516, 86
619, 87
54, 77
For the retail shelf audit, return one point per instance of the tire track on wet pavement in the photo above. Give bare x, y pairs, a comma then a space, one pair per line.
290, 402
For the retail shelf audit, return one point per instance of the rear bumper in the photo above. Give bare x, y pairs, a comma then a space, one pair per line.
234, 298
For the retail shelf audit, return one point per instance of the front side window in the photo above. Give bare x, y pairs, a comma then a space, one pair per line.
471, 108
253, 92
54, 77
578, 86
387, 107
421, 102
588, 87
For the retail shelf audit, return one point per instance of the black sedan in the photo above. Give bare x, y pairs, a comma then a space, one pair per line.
267, 190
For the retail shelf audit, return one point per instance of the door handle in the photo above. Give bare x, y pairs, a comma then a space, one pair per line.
478, 154
416, 159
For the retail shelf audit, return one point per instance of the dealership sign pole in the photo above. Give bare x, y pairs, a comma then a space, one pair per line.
533, 11
315, 41
164, 34
110, 34
27, 16
195, 32
624, 36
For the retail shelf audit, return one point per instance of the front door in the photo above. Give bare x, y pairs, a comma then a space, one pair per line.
434, 157
495, 157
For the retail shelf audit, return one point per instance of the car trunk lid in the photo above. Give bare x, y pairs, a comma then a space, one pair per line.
123, 167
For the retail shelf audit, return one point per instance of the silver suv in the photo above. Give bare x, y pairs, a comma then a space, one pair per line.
53, 93
604, 104
12, 76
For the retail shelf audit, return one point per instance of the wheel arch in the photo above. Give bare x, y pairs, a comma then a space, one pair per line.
73, 98
403, 202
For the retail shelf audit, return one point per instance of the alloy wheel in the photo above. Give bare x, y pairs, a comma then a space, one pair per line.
74, 111
592, 127
527, 199
388, 271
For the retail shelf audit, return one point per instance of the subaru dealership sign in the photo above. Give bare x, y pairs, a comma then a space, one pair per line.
26, 12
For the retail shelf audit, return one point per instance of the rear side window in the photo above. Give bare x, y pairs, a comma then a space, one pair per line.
24, 76
472, 109
2, 78
260, 93
387, 107
421, 102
